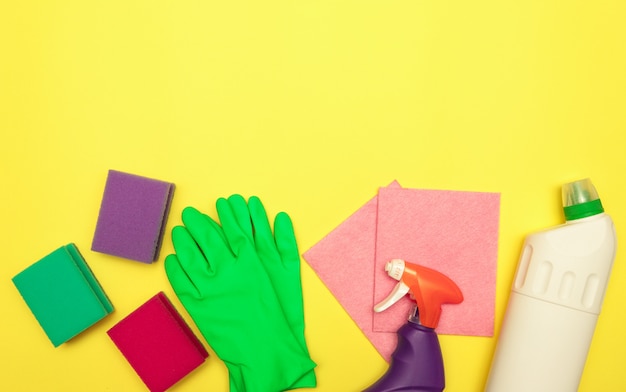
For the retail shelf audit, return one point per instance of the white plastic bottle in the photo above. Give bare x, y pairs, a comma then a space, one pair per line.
556, 298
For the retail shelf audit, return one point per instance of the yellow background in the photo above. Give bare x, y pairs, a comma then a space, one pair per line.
311, 105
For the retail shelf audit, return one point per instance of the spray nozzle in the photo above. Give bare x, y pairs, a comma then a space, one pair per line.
428, 287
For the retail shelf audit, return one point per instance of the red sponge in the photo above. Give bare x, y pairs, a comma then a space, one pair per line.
158, 343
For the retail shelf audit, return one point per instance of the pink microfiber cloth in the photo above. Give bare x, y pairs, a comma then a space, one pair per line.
344, 260
413, 224
132, 216
455, 233
158, 343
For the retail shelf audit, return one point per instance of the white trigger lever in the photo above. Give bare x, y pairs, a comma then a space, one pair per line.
395, 269
398, 292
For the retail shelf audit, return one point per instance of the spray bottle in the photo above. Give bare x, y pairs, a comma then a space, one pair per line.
556, 298
417, 363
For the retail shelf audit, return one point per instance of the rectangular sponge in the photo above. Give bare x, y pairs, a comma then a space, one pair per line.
158, 344
63, 294
132, 217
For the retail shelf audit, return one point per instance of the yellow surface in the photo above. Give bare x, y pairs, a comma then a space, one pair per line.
312, 105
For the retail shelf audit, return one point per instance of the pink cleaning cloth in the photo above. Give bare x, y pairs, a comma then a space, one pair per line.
158, 343
344, 260
453, 232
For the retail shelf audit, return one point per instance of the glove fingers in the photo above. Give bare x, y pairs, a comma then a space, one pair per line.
180, 282
209, 238
292, 285
189, 255
236, 237
239, 207
286, 240
263, 236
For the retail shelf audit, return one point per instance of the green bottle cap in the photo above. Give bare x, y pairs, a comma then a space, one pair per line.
580, 200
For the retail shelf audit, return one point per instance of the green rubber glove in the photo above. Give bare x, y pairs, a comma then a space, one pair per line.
223, 285
280, 256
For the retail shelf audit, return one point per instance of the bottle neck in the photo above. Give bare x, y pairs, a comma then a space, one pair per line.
585, 219
582, 210
414, 318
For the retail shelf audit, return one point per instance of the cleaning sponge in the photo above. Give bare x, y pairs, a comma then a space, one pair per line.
158, 343
132, 216
63, 294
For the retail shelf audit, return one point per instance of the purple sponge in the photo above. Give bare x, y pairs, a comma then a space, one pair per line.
158, 343
132, 216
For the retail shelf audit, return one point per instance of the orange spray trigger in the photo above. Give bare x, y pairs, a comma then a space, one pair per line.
429, 288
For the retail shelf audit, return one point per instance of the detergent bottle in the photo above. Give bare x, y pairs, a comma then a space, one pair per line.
417, 363
556, 298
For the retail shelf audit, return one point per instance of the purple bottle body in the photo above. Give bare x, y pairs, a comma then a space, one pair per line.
416, 364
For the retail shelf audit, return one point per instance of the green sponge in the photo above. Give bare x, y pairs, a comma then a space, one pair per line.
63, 294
